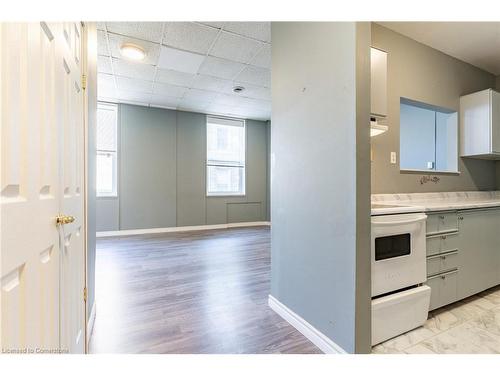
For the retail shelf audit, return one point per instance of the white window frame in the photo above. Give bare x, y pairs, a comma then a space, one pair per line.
114, 193
211, 164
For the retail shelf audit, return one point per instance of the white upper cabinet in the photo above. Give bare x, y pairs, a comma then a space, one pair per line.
378, 83
480, 125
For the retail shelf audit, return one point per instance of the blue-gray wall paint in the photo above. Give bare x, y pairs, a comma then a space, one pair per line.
162, 155
147, 157
320, 188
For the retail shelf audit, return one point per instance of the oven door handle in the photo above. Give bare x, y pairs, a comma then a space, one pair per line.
399, 222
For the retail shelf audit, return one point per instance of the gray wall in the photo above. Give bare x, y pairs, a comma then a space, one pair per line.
498, 175
161, 184
421, 73
320, 177
147, 167
91, 160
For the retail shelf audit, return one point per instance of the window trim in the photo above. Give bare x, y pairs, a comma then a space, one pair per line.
244, 166
114, 193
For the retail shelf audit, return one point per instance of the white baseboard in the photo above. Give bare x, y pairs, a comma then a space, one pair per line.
90, 323
312, 334
130, 232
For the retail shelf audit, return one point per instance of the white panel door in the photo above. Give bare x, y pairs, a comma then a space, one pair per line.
41, 120
71, 182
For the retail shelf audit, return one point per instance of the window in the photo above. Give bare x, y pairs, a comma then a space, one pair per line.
428, 137
225, 156
106, 163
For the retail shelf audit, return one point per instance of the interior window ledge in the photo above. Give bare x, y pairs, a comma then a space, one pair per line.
425, 171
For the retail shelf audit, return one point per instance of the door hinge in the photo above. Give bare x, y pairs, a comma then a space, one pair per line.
85, 294
84, 81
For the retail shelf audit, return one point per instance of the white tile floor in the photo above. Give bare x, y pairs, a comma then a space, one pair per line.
468, 326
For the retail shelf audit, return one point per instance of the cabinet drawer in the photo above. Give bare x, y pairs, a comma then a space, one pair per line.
432, 223
442, 263
442, 243
442, 222
449, 242
449, 261
433, 265
433, 245
443, 289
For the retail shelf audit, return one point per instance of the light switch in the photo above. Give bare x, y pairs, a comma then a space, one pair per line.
393, 157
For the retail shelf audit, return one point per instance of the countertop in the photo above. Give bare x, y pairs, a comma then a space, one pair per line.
384, 204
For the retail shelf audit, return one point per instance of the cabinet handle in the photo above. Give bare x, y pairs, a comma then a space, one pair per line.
460, 218
443, 237
443, 277
441, 217
443, 257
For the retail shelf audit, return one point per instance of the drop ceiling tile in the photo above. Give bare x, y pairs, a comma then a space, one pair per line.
152, 49
150, 31
102, 43
253, 103
104, 64
189, 36
256, 76
174, 78
255, 30
106, 86
166, 89
180, 61
217, 25
255, 113
164, 101
133, 69
263, 57
132, 84
250, 103
221, 109
222, 68
200, 95
235, 47
107, 80
135, 97
210, 83
104, 94
227, 99
193, 105
252, 91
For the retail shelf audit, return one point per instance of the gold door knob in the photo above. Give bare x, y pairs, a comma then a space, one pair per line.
64, 219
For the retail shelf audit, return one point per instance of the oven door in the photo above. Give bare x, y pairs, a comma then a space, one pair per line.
398, 252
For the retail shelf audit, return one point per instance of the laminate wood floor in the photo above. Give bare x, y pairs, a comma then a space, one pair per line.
191, 292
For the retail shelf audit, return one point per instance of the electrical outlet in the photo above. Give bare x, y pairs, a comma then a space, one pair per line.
393, 157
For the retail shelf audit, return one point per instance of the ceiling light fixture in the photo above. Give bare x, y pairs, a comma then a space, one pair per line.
238, 89
132, 52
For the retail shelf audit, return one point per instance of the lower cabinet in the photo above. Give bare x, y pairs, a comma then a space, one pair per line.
443, 289
464, 258
479, 255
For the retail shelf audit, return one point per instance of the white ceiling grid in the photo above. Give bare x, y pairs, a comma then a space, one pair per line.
189, 66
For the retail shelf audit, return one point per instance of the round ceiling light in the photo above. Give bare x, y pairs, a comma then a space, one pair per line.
132, 52
238, 89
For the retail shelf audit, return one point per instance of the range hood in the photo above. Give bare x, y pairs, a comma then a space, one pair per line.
376, 128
